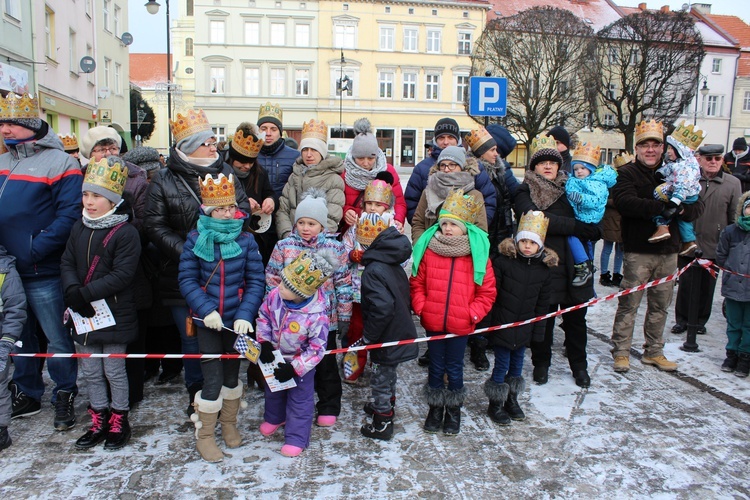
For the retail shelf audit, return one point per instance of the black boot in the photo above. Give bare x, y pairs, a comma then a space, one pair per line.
192, 391
370, 410
452, 422
616, 280
743, 365
5, 440
730, 363
582, 378
516, 385
380, 428
119, 430
497, 394
436, 400
541, 374
98, 430
478, 356
424, 359
65, 415
605, 279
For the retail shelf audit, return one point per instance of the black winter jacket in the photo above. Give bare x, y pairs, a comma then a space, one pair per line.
739, 167
523, 292
386, 303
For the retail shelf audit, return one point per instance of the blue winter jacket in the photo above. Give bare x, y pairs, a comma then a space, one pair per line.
594, 191
278, 164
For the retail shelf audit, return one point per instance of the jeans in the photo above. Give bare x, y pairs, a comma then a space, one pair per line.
581, 251
44, 297
383, 387
447, 356
508, 363
217, 372
193, 374
606, 252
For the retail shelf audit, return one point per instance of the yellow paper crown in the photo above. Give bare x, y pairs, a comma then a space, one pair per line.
622, 159
3, 147
689, 135
588, 153
186, 125
246, 145
19, 106
217, 193
533, 222
459, 206
272, 110
70, 142
315, 130
477, 137
369, 226
101, 174
543, 142
379, 191
306, 273
649, 129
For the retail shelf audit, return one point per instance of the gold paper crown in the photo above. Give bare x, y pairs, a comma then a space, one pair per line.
186, 125
588, 153
110, 178
315, 130
689, 135
649, 129
19, 106
306, 273
477, 137
246, 146
217, 193
533, 222
459, 206
70, 142
379, 191
272, 110
369, 226
3, 147
543, 142
622, 159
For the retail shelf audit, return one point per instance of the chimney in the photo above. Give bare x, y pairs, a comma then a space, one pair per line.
665, 9
703, 8
642, 6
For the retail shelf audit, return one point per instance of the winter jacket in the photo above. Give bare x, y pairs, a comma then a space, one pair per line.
683, 175
611, 222
172, 212
523, 292
594, 191
355, 199
733, 253
445, 297
386, 307
12, 299
505, 184
325, 176
739, 166
720, 196
418, 182
112, 279
235, 290
338, 288
258, 187
300, 334
40, 200
634, 199
277, 160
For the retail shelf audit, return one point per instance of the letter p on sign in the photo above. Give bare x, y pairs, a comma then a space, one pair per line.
487, 96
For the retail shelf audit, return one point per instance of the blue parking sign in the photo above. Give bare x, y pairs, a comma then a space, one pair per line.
488, 96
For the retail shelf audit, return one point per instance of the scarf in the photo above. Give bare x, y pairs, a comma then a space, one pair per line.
440, 184
199, 162
357, 177
545, 192
743, 221
110, 219
223, 232
450, 246
737, 156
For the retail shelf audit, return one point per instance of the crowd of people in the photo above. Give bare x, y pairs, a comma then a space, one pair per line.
282, 254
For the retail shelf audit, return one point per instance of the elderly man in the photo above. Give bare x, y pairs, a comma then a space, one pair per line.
720, 193
643, 262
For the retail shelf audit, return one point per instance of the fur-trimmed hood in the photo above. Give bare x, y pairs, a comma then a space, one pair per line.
507, 247
738, 210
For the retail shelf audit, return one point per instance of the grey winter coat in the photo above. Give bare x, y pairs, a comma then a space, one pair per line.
720, 195
12, 299
733, 253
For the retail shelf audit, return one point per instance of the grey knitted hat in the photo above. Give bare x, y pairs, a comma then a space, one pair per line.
365, 144
453, 153
313, 206
145, 157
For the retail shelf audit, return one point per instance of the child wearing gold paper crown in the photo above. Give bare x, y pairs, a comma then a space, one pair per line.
100, 262
221, 278
294, 320
452, 289
523, 278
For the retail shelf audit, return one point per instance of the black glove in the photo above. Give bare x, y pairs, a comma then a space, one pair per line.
266, 352
74, 299
587, 232
284, 372
669, 210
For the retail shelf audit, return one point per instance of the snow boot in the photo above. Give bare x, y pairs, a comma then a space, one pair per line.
436, 400
582, 274
605, 279
231, 402
424, 359
743, 365
255, 377
192, 391
119, 430
205, 416
662, 233
616, 280
516, 386
497, 394
370, 410
5, 440
98, 430
541, 374
478, 356
65, 415
453, 402
730, 363
380, 428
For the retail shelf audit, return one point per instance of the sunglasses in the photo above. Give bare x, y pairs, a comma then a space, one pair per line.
713, 158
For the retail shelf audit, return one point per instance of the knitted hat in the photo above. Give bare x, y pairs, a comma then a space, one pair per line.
191, 130
453, 153
145, 157
560, 134
739, 144
313, 206
365, 144
305, 274
533, 226
443, 220
505, 142
21, 110
217, 193
315, 136
480, 141
96, 135
271, 113
745, 203
107, 178
447, 126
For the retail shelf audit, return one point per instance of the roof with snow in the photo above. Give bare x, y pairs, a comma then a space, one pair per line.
595, 13
146, 70
711, 37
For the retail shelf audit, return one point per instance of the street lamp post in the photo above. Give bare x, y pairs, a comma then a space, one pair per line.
704, 92
152, 6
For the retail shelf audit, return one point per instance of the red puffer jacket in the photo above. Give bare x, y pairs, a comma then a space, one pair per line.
445, 297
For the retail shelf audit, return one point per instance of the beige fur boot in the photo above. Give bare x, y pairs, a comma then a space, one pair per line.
232, 400
206, 413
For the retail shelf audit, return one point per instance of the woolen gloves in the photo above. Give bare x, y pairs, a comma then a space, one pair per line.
213, 321
575, 197
669, 210
242, 326
284, 372
587, 232
74, 300
266, 352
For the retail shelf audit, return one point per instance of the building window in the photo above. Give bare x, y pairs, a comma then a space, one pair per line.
612, 92
107, 72
49, 33
411, 11
302, 82
462, 88
345, 6
347, 85
189, 47
302, 35
118, 79
278, 81
72, 55
746, 102
344, 36
278, 34
13, 9
117, 17
216, 32
386, 38
411, 38
432, 88
189, 8
434, 12
466, 14
218, 80
714, 105
387, 9
614, 56
220, 133
716, 66
609, 120
386, 85
433, 41
252, 33
464, 44
87, 5
252, 81
410, 86
106, 5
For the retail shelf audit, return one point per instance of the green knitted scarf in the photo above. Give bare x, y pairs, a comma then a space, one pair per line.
223, 232
743, 221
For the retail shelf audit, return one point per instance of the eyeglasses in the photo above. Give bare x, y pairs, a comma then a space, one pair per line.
649, 147
714, 158
226, 210
449, 166
109, 149
209, 144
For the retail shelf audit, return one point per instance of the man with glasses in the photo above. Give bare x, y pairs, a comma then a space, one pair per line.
643, 261
720, 192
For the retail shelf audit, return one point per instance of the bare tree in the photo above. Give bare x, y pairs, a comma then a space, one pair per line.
546, 54
649, 64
